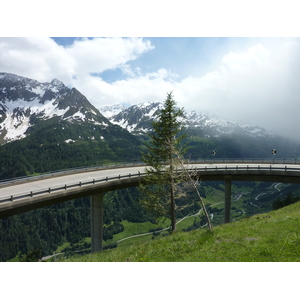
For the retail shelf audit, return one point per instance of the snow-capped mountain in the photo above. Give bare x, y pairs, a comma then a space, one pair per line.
214, 126
137, 119
24, 102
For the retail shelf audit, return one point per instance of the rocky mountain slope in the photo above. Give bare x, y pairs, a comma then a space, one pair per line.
48, 126
24, 102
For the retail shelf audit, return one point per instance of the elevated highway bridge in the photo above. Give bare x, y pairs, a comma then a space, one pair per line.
25, 194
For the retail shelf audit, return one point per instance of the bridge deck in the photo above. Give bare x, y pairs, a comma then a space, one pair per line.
22, 195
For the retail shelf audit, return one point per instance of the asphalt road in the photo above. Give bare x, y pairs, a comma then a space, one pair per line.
25, 187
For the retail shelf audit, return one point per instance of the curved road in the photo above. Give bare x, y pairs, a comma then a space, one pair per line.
56, 180
34, 192
25, 186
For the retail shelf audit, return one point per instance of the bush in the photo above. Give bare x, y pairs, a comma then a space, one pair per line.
279, 203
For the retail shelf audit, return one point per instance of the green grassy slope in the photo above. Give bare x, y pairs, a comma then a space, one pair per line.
273, 236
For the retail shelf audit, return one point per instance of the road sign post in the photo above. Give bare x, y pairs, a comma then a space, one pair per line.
214, 153
273, 153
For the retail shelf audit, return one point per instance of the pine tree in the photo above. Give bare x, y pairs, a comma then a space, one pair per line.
159, 190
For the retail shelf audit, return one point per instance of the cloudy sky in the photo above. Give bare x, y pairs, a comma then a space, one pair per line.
246, 79
254, 80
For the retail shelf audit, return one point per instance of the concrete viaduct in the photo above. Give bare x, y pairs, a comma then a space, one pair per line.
25, 194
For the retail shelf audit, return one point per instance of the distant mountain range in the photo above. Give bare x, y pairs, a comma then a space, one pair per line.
137, 119
24, 102
57, 125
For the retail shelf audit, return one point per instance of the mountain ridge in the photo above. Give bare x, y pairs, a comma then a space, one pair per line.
137, 119
28, 107
24, 102
48, 126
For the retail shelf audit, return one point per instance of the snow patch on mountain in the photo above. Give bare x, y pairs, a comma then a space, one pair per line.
24, 100
69, 141
15, 129
17, 115
78, 115
38, 90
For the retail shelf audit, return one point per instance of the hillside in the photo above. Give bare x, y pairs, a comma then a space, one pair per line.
269, 237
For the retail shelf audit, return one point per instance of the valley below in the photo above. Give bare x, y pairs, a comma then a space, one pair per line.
45, 127
247, 200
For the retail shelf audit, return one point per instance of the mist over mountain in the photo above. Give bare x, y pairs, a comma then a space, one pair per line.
206, 133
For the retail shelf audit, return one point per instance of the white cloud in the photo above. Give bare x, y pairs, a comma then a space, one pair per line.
133, 90
259, 85
254, 57
38, 58
42, 59
100, 54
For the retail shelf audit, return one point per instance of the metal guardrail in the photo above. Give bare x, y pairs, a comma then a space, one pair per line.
92, 182
65, 187
250, 160
123, 165
67, 171
247, 168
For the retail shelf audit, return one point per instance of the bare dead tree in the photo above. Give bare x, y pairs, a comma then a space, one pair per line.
193, 179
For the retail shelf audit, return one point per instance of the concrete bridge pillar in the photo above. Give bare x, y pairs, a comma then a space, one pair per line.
227, 200
96, 222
